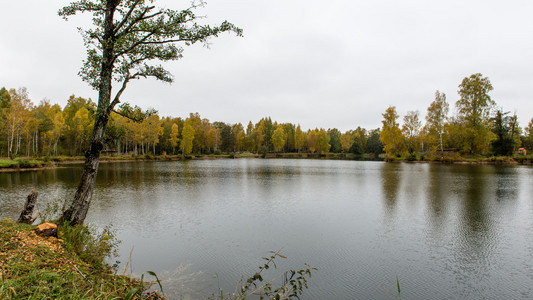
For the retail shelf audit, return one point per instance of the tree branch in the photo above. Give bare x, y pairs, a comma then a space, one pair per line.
167, 41
116, 100
127, 117
141, 17
126, 17
136, 44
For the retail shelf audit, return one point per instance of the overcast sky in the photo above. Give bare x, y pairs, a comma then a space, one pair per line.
335, 63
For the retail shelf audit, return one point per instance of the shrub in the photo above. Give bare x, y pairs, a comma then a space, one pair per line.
93, 248
411, 157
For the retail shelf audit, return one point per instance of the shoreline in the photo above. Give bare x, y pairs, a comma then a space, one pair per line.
504, 161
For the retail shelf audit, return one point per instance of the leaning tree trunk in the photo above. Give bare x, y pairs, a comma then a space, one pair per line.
79, 207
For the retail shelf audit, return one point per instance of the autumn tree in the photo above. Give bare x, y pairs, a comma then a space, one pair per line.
437, 113
5, 104
18, 116
411, 130
347, 141
474, 108
174, 137
268, 130
322, 141
278, 139
290, 131
80, 127
45, 136
360, 140
238, 134
59, 125
213, 138
153, 130
201, 127
187, 138
128, 35
299, 139
311, 140
84, 108
249, 138
391, 135
260, 136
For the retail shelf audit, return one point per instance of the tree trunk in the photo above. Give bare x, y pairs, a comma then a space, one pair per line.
77, 211
79, 207
441, 146
10, 151
26, 214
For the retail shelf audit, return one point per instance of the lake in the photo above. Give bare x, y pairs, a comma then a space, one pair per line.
446, 231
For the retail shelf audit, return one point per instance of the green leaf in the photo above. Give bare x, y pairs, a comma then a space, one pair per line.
398, 284
131, 294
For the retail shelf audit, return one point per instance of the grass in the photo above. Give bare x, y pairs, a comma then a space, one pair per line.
457, 158
72, 267
21, 163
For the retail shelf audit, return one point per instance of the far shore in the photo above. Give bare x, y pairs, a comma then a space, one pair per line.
51, 163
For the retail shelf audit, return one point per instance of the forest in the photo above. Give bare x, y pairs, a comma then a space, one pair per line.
480, 128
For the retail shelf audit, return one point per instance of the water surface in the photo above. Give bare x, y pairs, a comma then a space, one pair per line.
446, 231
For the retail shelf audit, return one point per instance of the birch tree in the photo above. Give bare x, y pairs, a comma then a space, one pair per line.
128, 36
391, 135
435, 119
474, 109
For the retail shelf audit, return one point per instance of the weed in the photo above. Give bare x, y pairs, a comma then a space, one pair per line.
293, 283
397, 289
33, 267
92, 248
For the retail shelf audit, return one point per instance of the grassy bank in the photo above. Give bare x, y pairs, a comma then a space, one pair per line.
73, 266
492, 160
69, 267
23, 163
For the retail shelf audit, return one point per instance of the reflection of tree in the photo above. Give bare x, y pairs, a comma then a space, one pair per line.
439, 185
506, 184
476, 234
475, 214
390, 179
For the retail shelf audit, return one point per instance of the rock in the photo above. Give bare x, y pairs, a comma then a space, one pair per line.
47, 229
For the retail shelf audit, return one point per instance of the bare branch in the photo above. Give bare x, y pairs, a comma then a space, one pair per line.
126, 17
141, 17
116, 100
151, 16
167, 41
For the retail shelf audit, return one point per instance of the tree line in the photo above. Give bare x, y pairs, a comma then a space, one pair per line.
46, 129
479, 127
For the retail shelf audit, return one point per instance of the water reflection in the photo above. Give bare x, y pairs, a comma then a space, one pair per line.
476, 236
390, 180
438, 188
507, 184
448, 231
